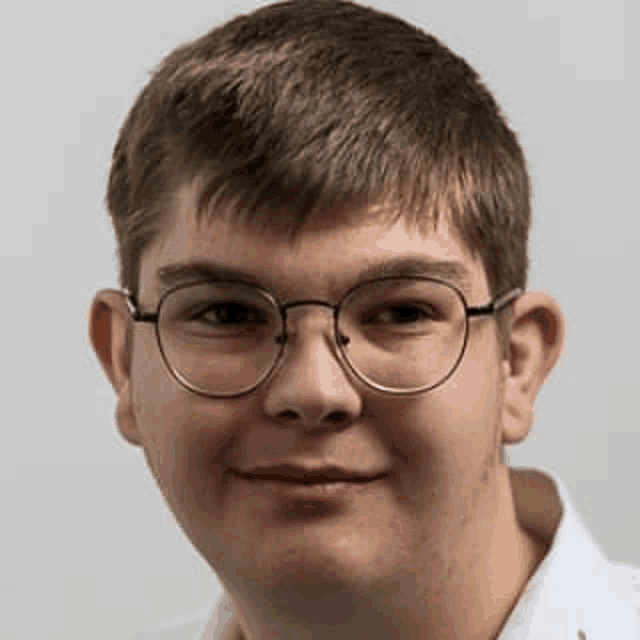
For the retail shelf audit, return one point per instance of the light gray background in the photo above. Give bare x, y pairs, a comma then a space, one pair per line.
88, 548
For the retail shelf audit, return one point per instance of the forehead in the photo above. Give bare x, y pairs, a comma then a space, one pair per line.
326, 258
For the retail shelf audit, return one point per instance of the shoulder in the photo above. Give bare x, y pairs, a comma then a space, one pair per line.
624, 588
624, 581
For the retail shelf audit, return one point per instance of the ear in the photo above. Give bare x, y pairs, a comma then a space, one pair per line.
536, 342
110, 334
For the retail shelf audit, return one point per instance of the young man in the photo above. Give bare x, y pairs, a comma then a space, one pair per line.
324, 342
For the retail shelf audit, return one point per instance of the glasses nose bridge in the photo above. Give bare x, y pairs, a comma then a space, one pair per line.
299, 303
340, 338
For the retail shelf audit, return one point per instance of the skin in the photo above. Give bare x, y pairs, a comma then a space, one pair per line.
434, 552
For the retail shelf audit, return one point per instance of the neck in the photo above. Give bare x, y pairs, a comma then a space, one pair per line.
496, 583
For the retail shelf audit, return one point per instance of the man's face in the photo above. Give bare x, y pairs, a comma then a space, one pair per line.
441, 448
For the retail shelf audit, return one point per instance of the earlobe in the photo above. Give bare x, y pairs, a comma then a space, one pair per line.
517, 414
125, 417
536, 342
108, 335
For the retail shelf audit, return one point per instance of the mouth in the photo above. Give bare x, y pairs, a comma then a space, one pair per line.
296, 475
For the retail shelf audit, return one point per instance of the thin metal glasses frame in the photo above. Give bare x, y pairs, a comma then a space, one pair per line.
498, 303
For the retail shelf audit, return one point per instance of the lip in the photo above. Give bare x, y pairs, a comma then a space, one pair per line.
292, 474
295, 488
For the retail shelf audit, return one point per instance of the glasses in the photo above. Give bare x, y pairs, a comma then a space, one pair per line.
399, 335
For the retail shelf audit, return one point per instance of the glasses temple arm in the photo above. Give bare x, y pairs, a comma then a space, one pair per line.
499, 303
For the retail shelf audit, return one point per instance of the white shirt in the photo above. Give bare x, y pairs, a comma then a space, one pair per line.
576, 593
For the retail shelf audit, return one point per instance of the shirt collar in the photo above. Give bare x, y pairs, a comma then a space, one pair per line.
571, 594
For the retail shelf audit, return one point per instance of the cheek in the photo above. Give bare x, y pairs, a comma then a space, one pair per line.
162, 410
186, 438
473, 392
156, 397
160, 414
462, 415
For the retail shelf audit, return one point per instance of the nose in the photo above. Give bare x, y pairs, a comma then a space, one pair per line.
312, 384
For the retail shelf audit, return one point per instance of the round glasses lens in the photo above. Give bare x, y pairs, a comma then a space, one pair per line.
219, 338
404, 334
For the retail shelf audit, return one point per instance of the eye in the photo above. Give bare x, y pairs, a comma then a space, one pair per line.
228, 313
404, 314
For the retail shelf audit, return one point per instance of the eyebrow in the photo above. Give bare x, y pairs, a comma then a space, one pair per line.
194, 271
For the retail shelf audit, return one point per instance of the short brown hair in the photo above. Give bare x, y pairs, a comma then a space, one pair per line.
305, 107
